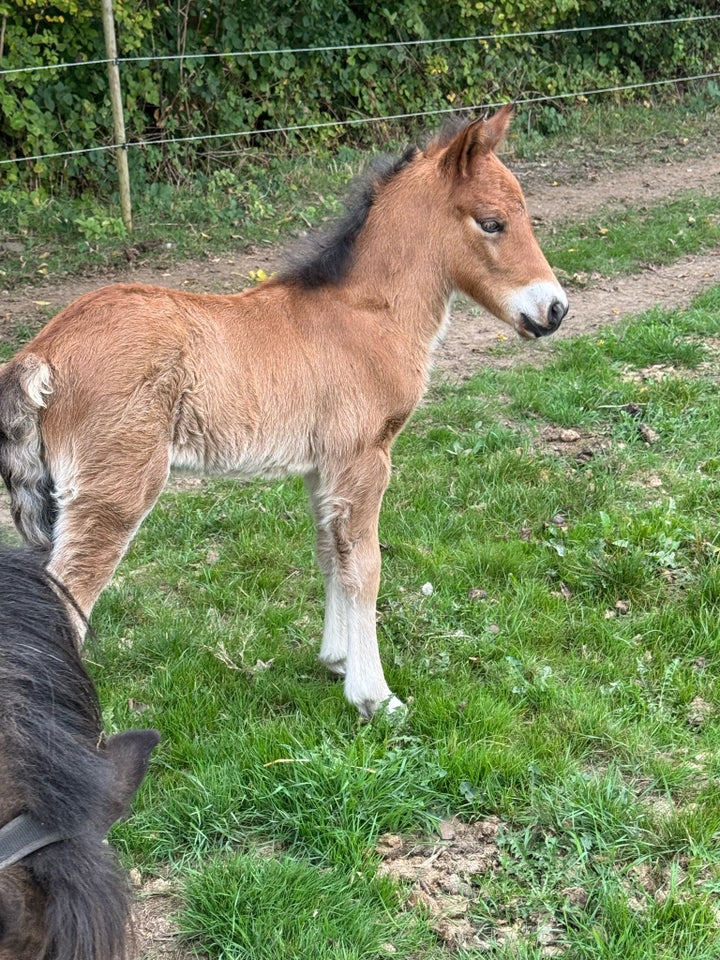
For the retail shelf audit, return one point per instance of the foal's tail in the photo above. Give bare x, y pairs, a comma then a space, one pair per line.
24, 384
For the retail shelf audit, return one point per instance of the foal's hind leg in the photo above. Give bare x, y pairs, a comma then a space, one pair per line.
347, 508
103, 496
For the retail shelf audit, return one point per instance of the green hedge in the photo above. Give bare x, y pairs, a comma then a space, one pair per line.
61, 109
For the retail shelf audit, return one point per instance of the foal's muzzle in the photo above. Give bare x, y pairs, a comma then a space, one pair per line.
556, 312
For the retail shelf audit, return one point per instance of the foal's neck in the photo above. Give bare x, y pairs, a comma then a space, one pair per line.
405, 276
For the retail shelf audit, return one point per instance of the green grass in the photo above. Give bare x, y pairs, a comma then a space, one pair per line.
560, 699
615, 242
338, 913
553, 676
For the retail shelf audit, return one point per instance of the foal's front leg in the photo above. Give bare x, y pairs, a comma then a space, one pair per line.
333, 651
347, 508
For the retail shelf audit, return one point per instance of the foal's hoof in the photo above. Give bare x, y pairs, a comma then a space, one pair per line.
392, 707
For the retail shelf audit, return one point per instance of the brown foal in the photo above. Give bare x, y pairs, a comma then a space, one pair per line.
312, 372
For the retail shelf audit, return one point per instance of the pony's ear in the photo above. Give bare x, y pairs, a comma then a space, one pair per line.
478, 138
129, 754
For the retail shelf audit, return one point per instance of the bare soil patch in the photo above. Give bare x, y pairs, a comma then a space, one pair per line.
154, 924
443, 875
555, 194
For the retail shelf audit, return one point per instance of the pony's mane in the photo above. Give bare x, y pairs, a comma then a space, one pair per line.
51, 705
327, 257
50, 726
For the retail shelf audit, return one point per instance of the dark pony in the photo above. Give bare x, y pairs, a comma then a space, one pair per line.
62, 784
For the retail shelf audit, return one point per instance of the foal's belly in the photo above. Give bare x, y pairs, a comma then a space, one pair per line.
249, 460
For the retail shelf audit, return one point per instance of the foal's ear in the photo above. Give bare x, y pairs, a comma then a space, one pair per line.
129, 754
478, 138
496, 126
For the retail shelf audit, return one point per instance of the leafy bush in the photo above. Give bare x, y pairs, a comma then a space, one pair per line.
65, 109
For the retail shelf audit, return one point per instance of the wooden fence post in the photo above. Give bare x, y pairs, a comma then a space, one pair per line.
117, 111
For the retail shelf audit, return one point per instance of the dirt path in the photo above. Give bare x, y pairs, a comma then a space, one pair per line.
555, 197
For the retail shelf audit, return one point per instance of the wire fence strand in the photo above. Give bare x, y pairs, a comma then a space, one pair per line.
495, 37
286, 51
356, 121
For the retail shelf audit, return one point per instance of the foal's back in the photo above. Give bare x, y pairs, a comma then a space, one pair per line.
245, 373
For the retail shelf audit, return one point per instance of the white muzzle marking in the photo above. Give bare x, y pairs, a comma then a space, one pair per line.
537, 309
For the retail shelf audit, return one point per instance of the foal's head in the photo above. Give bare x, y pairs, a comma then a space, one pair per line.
453, 215
62, 894
490, 245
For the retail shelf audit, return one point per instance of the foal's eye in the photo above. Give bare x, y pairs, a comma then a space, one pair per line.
490, 226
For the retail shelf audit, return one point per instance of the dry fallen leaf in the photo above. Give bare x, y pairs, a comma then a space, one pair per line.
476, 594
699, 711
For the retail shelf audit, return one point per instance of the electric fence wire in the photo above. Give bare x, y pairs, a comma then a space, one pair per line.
286, 51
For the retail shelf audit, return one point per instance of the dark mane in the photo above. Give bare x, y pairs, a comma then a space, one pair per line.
46, 691
328, 256
49, 730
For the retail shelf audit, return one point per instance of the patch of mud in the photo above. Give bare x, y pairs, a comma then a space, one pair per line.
442, 873
446, 866
578, 445
444, 877
154, 925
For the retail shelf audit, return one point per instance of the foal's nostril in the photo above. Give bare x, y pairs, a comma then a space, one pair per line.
556, 312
